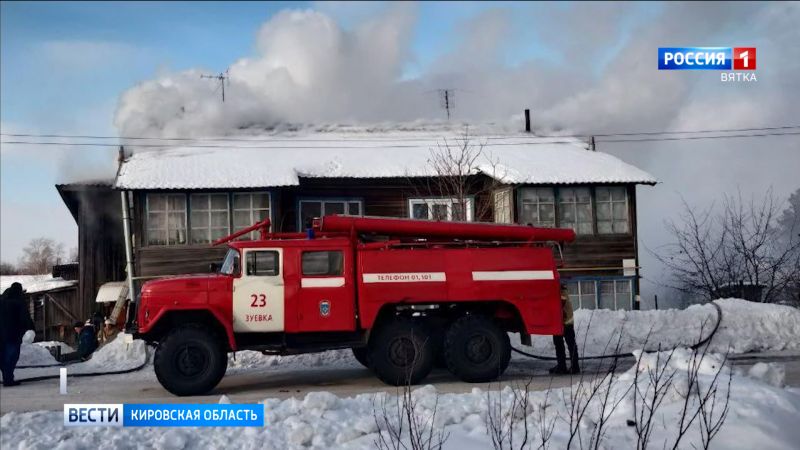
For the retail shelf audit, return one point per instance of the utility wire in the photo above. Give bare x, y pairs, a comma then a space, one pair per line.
397, 139
396, 146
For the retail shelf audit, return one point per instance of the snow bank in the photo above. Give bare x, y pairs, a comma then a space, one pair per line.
34, 355
760, 416
115, 356
746, 327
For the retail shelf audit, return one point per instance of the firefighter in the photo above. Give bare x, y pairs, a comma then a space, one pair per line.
569, 336
109, 332
15, 320
87, 342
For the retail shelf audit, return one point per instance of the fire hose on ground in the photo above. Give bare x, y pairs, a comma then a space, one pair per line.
695, 346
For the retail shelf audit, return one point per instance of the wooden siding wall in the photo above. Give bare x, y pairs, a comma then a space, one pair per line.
100, 244
380, 197
51, 322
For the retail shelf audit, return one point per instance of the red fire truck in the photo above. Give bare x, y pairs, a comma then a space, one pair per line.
403, 294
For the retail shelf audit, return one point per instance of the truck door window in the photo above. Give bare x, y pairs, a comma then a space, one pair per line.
230, 266
328, 263
262, 263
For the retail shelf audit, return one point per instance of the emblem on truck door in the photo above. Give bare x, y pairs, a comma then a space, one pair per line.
324, 308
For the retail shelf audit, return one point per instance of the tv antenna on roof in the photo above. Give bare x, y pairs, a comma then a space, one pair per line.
447, 99
222, 78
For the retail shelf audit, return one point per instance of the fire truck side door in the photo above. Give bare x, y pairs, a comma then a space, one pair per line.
326, 296
258, 295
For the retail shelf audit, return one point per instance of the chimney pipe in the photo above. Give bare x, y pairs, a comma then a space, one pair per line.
527, 120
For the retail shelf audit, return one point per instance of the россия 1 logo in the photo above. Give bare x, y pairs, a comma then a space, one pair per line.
734, 59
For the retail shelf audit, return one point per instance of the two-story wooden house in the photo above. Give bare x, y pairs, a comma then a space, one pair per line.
183, 198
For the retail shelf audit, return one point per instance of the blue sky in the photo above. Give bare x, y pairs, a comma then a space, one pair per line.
65, 64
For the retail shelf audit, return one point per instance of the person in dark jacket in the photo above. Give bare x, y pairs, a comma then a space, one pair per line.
87, 342
569, 336
15, 320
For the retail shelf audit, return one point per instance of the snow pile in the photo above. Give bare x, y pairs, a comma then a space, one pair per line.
34, 354
745, 327
117, 355
759, 416
773, 374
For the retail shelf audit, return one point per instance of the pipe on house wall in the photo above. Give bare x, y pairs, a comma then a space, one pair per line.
126, 227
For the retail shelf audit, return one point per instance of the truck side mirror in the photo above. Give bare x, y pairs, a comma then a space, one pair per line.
213, 267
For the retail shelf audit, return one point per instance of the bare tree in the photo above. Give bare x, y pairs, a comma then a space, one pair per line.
466, 178
741, 244
8, 269
40, 255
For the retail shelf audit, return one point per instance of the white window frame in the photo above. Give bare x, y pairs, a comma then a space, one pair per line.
323, 201
579, 296
503, 201
611, 203
537, 206
208, 212
617, 293
441, 201
251, 210
574, 205
166, 211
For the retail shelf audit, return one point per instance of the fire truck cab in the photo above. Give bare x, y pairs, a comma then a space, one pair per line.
404, 295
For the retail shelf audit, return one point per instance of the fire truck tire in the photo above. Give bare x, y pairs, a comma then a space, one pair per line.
190, 361
476, 349
362, 356
401, 352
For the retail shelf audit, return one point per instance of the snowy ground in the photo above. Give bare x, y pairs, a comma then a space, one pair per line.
761, 412
761, 415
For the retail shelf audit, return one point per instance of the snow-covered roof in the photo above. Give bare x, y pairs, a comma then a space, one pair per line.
33, 284
282, 159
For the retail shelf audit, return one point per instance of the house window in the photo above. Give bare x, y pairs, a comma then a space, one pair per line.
502, 206
209, 217
328, 263
310, 209
166, 219
537, 207
249, 208
612, 210
582, 294
441, 209
575, 209
263, 263
615, 294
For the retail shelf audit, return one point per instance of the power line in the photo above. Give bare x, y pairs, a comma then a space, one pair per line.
391, 139
96, 144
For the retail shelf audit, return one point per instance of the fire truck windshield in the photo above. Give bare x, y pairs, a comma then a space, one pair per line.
231, 264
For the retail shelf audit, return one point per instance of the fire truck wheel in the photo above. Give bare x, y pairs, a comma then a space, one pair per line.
190, 361
476, 349
362, 356
401, 352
